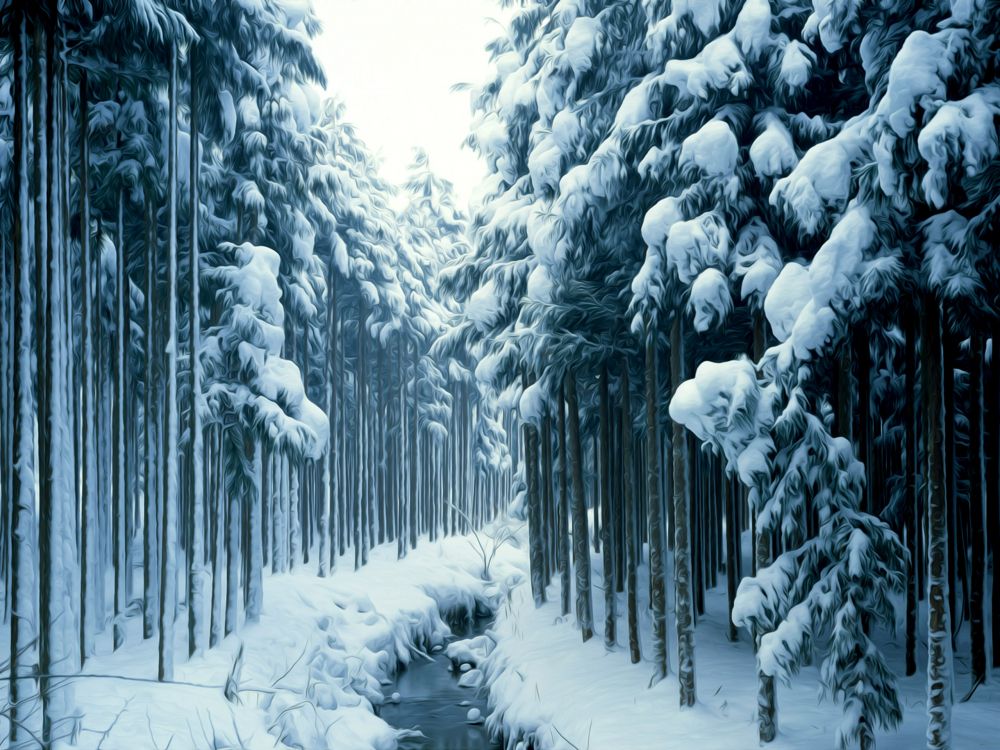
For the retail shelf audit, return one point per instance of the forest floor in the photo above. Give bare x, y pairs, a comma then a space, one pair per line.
546, 685
308, 674
311, 674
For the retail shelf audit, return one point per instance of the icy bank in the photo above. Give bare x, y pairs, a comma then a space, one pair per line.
310, 674
556, 693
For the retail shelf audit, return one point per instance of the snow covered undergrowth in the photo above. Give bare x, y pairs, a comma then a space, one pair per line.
310, 672
548, 688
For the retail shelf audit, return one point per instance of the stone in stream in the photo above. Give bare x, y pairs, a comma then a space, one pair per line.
465, 667
471, 679
474, 716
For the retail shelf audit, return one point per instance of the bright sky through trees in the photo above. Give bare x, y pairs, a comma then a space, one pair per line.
394, 64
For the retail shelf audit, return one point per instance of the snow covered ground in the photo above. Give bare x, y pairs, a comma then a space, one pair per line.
562, 694
310, 671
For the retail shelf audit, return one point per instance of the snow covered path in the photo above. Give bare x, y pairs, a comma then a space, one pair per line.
310, 670
547, 685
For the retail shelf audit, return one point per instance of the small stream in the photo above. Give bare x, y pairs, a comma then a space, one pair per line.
431, 701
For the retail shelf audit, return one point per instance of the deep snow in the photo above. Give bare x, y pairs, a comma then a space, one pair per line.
311, 671
562, 694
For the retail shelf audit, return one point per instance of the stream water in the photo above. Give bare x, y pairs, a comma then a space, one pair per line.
431, 701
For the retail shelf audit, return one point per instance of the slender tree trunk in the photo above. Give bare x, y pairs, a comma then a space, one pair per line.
196, 553
233, 442
219, 526
536, 558
120, 455
682, 539
939, 656
910, 488
168, 569
584, 606
767, 724
294, 521
610, 613
629, 493
733, 552
326, 555
255, 550
55, 621
993, 490
414, 448
547, 514
23, 621
150, 493
977, 510
88, 516
950, 470
562, 513
654, 509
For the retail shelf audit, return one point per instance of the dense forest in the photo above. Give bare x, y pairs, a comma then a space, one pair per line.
721, 315
741, 258
218, 323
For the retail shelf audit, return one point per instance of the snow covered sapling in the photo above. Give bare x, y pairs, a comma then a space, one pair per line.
497, 537
817, 593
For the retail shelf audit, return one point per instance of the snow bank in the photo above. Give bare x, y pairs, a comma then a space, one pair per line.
552, 692
310, 673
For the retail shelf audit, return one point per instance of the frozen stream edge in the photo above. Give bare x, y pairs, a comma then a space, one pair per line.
311, 671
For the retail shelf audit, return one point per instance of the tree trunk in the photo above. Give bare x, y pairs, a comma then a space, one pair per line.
233, 442
294, 522
939, 676
654, 511
414, 456
562, 513
255, 550
682, 540
218, 537
88, 516
977, 511
120, 452
194, 474
610, 614
629, 493
584, 606
733, 551
910, 488
150, 495
168, 575
547, 514
536, 558
950, 470
993, 490
23, 622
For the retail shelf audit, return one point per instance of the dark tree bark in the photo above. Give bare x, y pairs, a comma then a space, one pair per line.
993, 490
654, 509
682, 538
910, 488
562, 521
629, 492
977, 510
536, 554
939, 611
610, 613
584, 605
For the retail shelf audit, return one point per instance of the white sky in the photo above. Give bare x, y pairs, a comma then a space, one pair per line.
393, 63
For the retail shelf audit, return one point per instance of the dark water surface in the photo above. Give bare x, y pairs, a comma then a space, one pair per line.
429, 700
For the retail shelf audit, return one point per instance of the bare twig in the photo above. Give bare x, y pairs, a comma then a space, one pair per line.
106, 732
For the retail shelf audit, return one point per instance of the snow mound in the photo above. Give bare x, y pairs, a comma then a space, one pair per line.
471, 650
